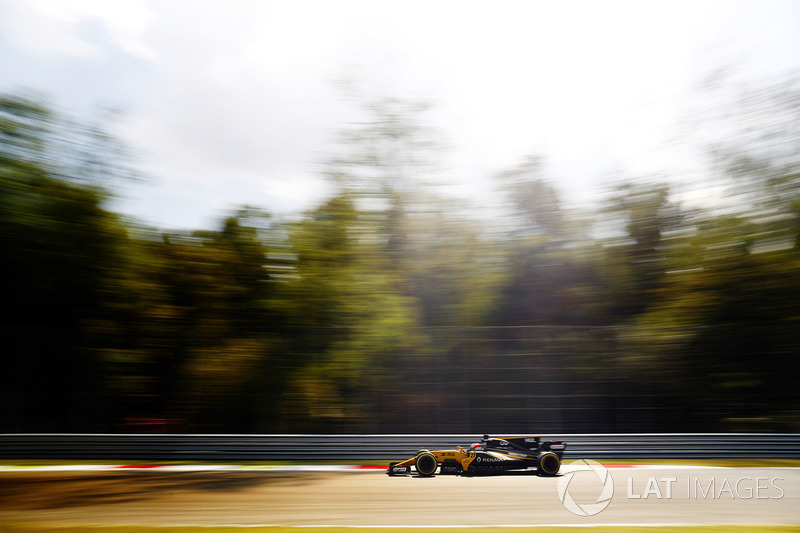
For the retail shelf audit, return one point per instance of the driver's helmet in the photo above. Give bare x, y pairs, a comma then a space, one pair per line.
475, 446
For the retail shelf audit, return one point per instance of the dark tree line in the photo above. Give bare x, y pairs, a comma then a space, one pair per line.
389, 309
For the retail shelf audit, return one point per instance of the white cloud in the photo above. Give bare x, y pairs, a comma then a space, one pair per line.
53, 27
243, 107
32, 28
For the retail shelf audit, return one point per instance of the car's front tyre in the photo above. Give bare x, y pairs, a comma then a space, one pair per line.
426, 464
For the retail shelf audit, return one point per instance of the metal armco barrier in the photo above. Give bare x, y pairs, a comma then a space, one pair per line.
377, 447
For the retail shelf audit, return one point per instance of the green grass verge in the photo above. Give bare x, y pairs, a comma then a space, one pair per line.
280, 529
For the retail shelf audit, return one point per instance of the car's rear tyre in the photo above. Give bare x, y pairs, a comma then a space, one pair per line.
549, 464
426, 464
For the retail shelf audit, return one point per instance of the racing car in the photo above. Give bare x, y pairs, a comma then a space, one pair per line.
492, 454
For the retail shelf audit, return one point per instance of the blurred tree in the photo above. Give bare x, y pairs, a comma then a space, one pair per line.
60, 252
534, 201
389, 308
386, 162
751, 137
638, 262
200, 328
388, 153
549, 280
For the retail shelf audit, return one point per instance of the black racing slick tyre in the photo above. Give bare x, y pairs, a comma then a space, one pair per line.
549, 464
426, 464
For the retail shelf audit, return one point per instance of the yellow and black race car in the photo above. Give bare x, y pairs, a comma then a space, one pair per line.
492, 454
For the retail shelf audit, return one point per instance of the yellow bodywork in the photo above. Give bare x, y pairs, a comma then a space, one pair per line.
462, 456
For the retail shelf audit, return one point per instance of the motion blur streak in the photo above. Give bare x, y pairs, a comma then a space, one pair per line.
391, 308
374, 499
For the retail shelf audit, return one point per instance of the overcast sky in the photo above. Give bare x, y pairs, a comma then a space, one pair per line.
233, 102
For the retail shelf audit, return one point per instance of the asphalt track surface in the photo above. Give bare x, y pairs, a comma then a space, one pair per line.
372, 498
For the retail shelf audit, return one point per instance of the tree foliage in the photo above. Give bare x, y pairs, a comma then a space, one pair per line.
386, 310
